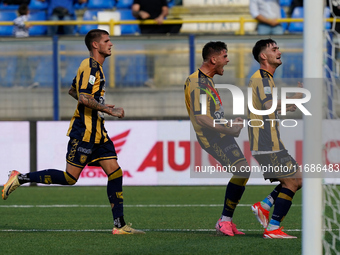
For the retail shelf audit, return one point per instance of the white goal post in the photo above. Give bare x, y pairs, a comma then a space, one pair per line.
312, 152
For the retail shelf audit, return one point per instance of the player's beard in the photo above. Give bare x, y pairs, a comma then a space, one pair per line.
105, 54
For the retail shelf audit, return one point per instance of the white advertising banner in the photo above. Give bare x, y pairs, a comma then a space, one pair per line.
158, 152
14, 147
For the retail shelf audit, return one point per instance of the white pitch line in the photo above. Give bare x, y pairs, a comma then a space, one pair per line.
146, 230
132, 206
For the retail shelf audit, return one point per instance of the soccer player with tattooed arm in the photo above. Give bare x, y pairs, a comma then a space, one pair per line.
89, 143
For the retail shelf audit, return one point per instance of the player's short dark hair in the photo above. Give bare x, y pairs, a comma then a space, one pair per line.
260, 46
212, 48
23, 9
94, 35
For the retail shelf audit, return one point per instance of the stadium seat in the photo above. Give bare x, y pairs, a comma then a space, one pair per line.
37, 30
100, 4
130, 71
7, 16
11, 7
8, 64
44, 72
124, 4
71, 65
88, 15
126, 14
171, 3
296, 27
78, 6
37, 5
292, 65
285, 3
284, 24
327, 14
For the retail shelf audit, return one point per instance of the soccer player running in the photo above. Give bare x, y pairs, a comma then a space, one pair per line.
89, 142
266, 145
218, 141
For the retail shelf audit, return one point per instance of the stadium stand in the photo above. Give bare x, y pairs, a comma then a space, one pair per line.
12, 7
88, 15
130, 71
126, 14
292, 67
78, 6
284, 24
44, 71
297, 27
70, 65
285, 3
7, 16
37, 5
37, 30
124, 4
100, 4
7, 67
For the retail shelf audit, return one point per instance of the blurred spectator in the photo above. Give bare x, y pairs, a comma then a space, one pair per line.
267, 12
153, 10
295, 3
335, 12
15, 2
61, 10
20, 29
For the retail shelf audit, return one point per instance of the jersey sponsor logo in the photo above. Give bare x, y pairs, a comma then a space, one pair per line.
92, 79
84, 150
267, 90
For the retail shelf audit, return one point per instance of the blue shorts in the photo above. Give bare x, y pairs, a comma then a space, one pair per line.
81, 153
277, 165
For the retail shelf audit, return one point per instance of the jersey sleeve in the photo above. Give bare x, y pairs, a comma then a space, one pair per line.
74, 82
192, 98
195, 101
90, 81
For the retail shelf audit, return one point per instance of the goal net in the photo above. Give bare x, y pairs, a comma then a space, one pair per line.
331, 136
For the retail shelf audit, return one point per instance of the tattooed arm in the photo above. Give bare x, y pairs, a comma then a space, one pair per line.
90, 102
73, 93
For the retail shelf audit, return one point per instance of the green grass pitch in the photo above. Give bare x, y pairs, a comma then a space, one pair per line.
177, 220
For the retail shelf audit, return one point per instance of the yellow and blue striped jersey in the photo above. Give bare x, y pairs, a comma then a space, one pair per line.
88, 124
198, 84
264, 137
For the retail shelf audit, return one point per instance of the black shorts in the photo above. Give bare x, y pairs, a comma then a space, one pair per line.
81, 153
277, 165
225, 150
